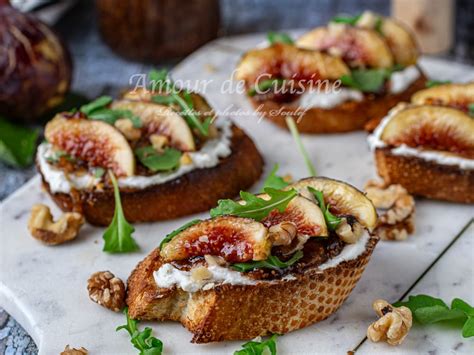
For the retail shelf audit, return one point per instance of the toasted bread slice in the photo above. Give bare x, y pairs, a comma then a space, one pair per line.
425, 178
169, 200
231, 312
349, 116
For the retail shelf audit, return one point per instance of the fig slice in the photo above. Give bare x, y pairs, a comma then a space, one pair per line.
344, 199
95, 142
160, 119
399, 39
233, 238
305, 214
358, 47
288, 62
432, 127
453, 95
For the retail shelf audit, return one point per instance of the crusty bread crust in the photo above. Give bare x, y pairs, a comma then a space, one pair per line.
424, 178
349, 116
230, 312
196, 191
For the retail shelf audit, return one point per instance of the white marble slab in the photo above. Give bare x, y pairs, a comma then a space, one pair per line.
44, 288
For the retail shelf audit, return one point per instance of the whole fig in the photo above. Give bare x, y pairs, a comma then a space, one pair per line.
35, 66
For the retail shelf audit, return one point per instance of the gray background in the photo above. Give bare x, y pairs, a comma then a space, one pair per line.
96, 72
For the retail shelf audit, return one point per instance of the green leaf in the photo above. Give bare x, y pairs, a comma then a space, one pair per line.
17, 144
264, 86
159, 79
58, 154
331, 220
433, 83
367, 80
272, 262
174, 233
168, 160
470, 107
279, 37
141, 340
99, 172
349, 20
419, 301
104, 114
274, 181
378, 25
163, 99
290, 122
255, 207
461, 305
433, 314
98, 103
118, 236
468, 328
257, 348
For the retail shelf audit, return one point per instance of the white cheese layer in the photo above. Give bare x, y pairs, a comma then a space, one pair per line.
401, 80
327, 100
207, 157
168, 276
439, 157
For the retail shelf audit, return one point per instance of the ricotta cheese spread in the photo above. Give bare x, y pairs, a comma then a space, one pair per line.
168, 276
328, 99
208, 156
401, 80
438, 157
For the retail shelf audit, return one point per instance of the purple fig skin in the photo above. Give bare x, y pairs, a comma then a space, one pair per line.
35, 66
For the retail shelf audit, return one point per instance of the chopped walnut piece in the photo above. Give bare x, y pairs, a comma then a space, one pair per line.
43, 227
399, 218
73, 351
350, 234
393, 326
159, 142
214, 260
200, 273
185, 159
125, 126
107, 290
282, 233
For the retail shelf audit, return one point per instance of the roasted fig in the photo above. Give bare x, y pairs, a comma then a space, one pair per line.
288, 62
233, 238
343, 199
458, 96
358, 47
159, 119
95, 142
400, 40
430, 127
35, 67
305, 214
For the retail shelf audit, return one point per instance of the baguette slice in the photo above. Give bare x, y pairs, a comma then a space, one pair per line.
169, 200
231, 312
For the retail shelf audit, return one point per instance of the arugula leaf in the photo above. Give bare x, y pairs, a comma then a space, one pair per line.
265, 85
272, 262
433, 83
172, 96
427, 310
118, 236
17, 144
349, 20
96, 104
58, 154
155, 161
378, 25
366, 80
174, 233
279, 37
290, 122
255, 207
257, 348
470, 107
274, 181
141, 340
331, 220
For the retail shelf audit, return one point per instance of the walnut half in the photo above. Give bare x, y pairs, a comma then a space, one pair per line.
43, 227
107, 290
393, 326
73, 351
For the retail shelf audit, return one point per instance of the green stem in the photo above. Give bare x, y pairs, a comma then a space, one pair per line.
290, 122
